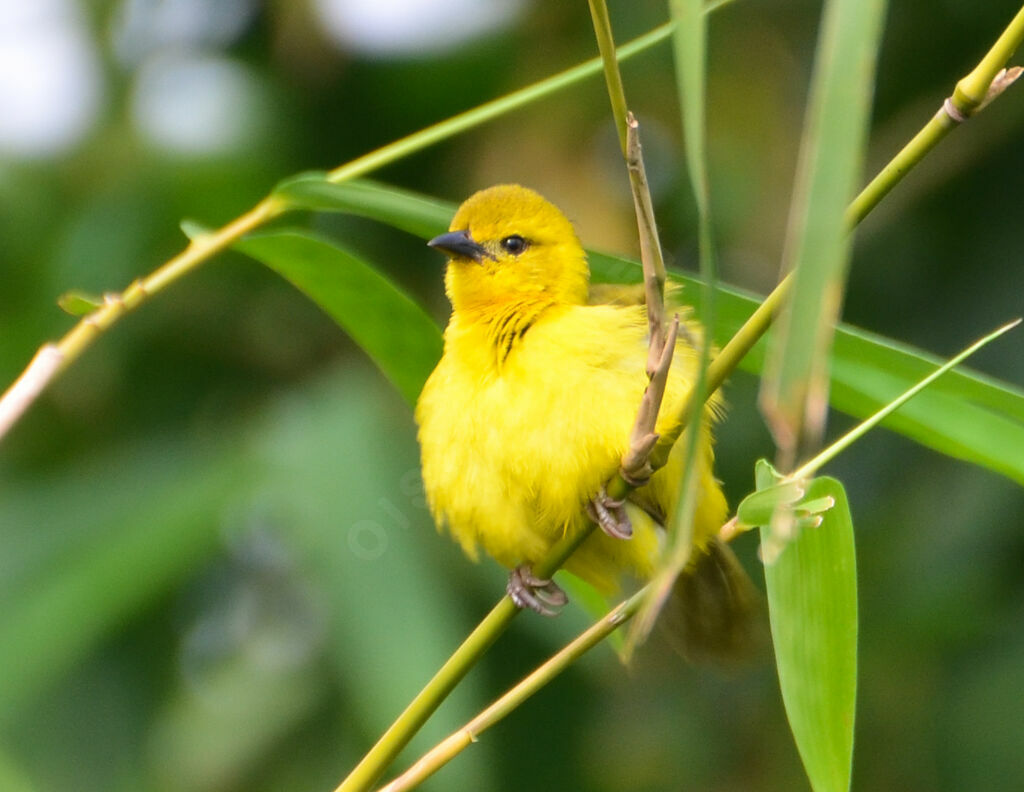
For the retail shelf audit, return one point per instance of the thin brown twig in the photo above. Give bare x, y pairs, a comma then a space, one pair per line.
456, 742
650, 245
636, 466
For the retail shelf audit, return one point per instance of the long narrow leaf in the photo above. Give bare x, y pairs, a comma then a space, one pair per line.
395, 332
794, 392
98, 557
408, 211
812, 602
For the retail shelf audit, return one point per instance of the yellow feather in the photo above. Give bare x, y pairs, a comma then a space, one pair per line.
529, 411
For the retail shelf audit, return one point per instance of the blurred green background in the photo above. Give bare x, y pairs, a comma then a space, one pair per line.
216, 568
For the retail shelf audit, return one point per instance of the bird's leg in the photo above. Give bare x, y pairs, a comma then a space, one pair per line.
611, 515
541, 595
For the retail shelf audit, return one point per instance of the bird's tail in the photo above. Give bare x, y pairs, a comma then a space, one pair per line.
715, 613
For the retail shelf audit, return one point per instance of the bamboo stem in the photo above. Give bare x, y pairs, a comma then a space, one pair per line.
52, 359
452, 745
973, 92
423, 705
612, 75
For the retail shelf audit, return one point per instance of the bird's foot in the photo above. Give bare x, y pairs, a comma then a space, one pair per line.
611, 515
541, 595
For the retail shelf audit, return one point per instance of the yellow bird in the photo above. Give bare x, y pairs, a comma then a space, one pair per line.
529, 412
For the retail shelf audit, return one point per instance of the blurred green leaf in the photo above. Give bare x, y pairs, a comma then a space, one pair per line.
114, 550
411, 212
202, 740
393, 330
12, 777
941, 417
593, 603
812, 605
78, 303
794, 390
758, 507
193, 229
340, 482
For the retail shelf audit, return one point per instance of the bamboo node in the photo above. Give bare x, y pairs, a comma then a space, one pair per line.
952, 111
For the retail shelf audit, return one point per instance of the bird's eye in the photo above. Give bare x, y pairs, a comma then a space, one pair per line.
514, 244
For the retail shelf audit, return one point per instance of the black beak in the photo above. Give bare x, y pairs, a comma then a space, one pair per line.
460, 243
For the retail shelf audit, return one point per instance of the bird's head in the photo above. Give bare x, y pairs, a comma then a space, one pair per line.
508, 244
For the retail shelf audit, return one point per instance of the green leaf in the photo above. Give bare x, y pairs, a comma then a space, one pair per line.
758, 507
80, 558
812, 605
794, 391
395, 332
408, 211
811, 466
193, 229
341, 482
595, 604
78, 303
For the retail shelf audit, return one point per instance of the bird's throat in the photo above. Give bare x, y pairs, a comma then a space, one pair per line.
501, 328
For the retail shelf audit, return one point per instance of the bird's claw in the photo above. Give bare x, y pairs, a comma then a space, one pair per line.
610, 515
541, 595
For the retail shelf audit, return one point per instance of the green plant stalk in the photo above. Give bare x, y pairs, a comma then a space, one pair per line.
973, 91
940, 125
398, 734
423, 705
626, 125
612, 76
53, 358
455, 743
493, 109
971, 94
927, 138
